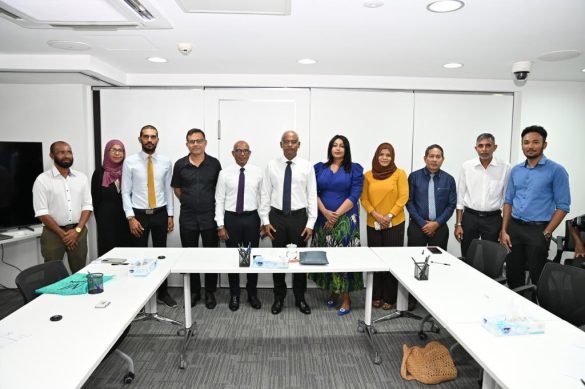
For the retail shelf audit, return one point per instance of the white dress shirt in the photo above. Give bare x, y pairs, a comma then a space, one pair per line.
135, 182
482, 189
62, 198
303, 188
226, 190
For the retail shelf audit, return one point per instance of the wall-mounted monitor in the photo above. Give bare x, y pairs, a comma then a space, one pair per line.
20, 165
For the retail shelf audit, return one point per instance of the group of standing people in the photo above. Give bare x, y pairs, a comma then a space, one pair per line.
292, 201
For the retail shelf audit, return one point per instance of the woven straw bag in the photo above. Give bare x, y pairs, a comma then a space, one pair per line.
431, 364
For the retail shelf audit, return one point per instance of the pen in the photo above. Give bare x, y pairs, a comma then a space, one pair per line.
441, 263
582, 381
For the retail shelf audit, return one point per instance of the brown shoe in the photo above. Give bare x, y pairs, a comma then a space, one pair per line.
376, 303
387, 306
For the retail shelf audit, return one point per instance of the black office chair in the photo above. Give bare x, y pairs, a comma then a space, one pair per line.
37, 276
566, 243
561, 291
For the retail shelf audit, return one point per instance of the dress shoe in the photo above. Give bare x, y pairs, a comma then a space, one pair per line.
332, 301
210, 302
343, 311
194, 298
276, 307
254, 302
167, 300
303, 307
234, 304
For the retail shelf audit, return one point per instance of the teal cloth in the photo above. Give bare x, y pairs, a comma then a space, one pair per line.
72, 285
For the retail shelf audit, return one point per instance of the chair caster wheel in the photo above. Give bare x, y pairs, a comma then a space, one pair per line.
128, 378
373, 330
377, 359
360, 329
436, 329
182, 365
181, 332
422, 336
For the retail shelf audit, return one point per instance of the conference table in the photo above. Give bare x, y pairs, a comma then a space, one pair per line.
36, 352
459, 297
225, 260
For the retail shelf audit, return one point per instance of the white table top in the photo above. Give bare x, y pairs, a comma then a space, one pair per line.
63, 354
225, 260
22, 234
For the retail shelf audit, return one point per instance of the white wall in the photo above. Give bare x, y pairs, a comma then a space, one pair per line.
45, 113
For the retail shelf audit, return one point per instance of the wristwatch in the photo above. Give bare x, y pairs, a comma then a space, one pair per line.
78, 229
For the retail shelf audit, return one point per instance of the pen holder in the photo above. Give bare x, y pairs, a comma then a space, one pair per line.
95, 283
421, 271
244, 256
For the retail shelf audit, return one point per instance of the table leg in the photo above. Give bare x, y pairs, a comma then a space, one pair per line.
151, 313
188, 318
488, 382
366, 324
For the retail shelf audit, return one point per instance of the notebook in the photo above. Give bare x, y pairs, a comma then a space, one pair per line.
313, 258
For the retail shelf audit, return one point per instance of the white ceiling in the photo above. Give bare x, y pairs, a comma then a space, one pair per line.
399, 39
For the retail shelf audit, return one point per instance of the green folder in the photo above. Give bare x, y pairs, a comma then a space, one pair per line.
73, 285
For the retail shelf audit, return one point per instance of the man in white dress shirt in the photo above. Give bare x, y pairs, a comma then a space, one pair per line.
288, 212
148, 198
237, 196
62, 202
480, 194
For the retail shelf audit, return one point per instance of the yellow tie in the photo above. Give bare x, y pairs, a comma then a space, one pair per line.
151, 195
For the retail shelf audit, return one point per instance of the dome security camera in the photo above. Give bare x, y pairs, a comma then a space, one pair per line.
185, 48
521, 70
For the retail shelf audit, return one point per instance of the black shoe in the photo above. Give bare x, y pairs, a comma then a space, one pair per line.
276, 307
210, 302
234, 303
167, 300
194, 298
303, 307
254, 302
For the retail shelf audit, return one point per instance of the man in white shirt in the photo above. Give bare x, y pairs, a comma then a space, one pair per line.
147, 197
237, 196
480, 194
288, 212
62, 202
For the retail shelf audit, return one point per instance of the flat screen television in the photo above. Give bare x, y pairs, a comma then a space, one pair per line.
20, 165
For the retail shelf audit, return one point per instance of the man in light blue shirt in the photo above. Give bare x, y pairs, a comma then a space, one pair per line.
536, 202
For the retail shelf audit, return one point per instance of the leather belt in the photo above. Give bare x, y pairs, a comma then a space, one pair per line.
149, 211
529, 223
68, 227
296, 212
245, 213
482, 213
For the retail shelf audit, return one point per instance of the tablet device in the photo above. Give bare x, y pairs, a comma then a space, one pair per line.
434, 250
313, 258
114, 261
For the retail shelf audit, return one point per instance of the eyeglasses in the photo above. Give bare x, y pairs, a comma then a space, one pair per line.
115, 151
290, 142
196, 141
242, 151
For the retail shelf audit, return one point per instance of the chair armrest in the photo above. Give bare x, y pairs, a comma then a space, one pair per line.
528, 291
502, 280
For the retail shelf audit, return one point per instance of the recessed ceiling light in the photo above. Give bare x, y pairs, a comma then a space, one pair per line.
443, 6
373, 4
307, 61
69, 45
157, 59
583, 70
453, 65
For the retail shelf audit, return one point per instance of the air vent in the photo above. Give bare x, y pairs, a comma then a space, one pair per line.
259, 7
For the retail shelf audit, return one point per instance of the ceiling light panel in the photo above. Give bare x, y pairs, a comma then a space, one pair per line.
443, 6
261, 7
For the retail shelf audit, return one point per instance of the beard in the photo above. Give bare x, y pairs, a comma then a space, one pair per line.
64, 164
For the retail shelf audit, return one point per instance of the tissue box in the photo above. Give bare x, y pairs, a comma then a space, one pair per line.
501, 325
141, 267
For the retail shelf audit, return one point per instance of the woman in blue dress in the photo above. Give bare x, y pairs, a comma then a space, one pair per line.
339, 186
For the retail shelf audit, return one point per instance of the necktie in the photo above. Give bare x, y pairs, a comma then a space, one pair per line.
241, 185
286, 190
432, 207
150, 183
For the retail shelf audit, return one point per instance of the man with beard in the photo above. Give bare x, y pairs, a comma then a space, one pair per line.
480, 194
536, 202
147, 198
62, 202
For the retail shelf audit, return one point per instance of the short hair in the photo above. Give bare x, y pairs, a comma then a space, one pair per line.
54, 144
434, 146
194, 131
346, 163
287, 131
537, 129
485, 135
149, 127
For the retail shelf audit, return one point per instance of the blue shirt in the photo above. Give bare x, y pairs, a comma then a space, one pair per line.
418, 201
536, 193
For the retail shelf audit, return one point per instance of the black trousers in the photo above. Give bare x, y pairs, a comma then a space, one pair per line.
243, 229
418, 238
190, 238
385, 284
475, 227
529, 250
288, 230
157, 226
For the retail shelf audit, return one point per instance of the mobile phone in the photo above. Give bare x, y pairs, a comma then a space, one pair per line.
102, 304
434, 250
